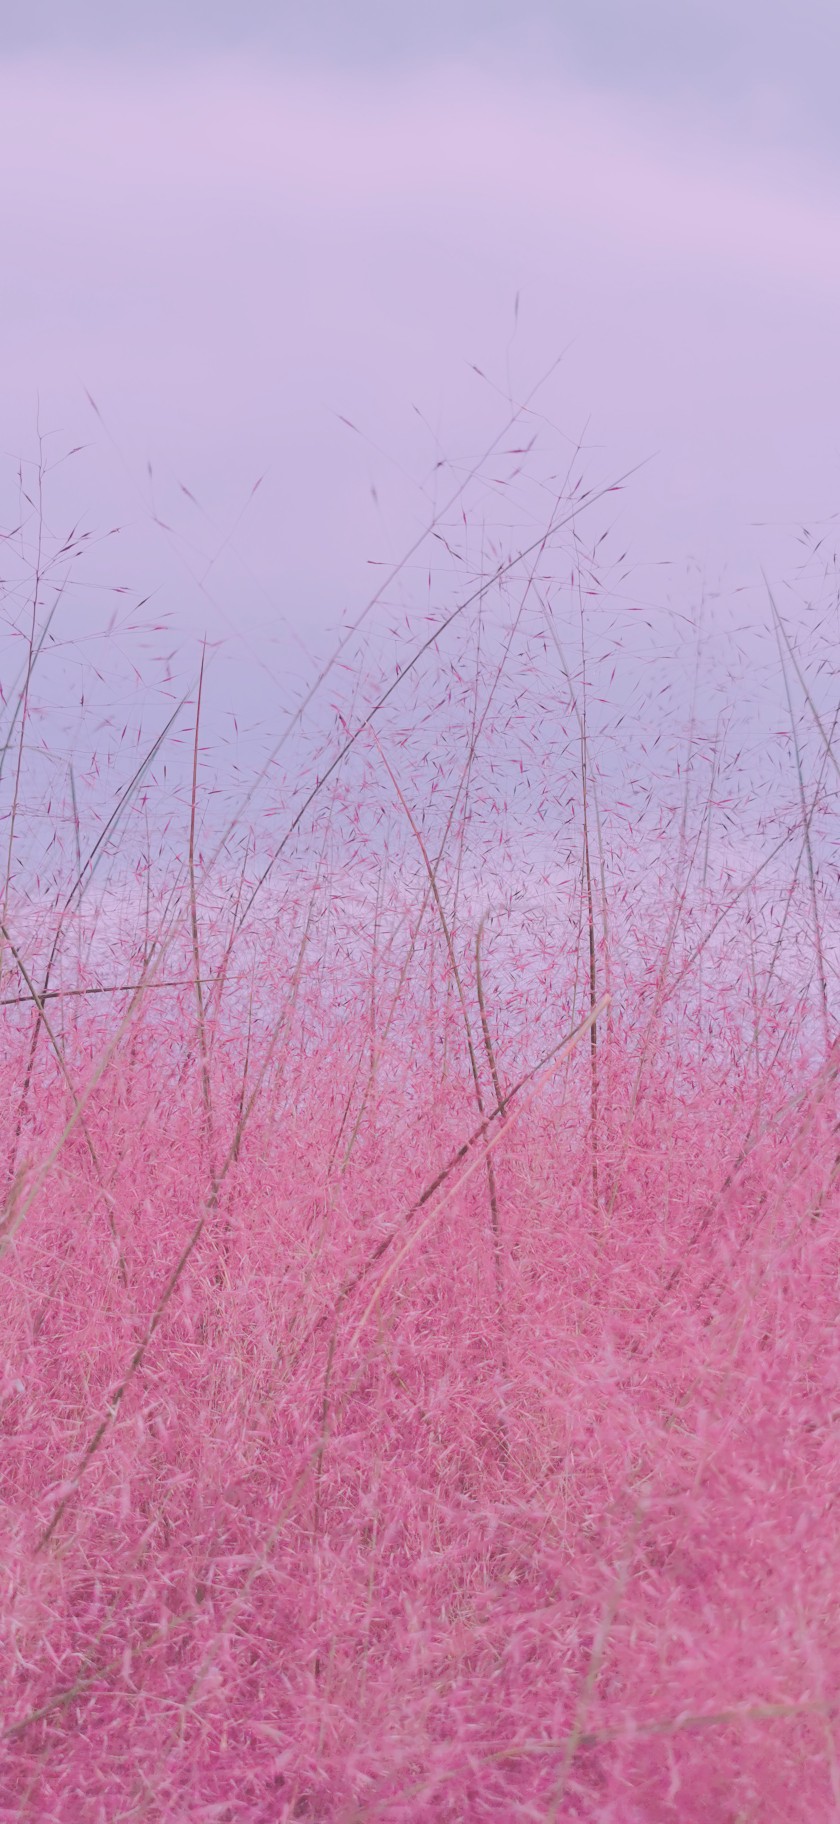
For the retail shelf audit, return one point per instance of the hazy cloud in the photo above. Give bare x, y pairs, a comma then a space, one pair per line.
766, 66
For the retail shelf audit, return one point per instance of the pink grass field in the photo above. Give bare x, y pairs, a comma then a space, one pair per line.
420, 1360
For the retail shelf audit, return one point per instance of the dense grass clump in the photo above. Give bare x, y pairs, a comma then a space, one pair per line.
386, 1511
420, 1247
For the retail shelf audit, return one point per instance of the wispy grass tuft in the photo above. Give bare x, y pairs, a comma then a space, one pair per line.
421, 1221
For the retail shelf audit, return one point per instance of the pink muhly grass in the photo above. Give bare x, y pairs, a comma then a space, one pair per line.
420, 1372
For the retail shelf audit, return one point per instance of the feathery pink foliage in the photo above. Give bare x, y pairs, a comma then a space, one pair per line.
352, 1471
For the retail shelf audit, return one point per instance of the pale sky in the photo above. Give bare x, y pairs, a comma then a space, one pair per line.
235, 226
726, 55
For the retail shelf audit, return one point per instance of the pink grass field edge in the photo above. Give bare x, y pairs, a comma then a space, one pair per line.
420, 1364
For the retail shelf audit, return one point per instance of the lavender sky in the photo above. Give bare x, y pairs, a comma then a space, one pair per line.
237, 227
